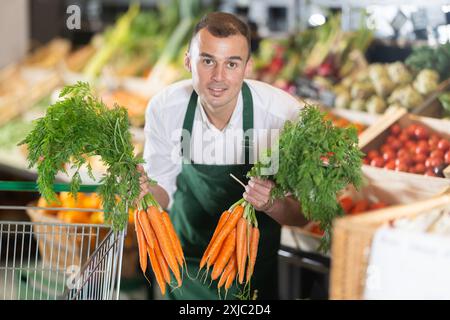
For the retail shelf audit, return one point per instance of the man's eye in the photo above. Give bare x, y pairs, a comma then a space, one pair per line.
232, 65
208, 62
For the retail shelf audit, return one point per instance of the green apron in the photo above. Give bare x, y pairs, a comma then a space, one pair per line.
203, 193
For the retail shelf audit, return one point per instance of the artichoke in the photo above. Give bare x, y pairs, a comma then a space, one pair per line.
426, 81
399, 73
376, 105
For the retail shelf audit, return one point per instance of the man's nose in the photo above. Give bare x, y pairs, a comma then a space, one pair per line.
218, 73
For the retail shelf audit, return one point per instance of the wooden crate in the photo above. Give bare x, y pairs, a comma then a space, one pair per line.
380, 185
352, 239
431, 107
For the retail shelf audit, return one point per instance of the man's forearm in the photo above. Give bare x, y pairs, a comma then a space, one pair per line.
160, 194
287, 211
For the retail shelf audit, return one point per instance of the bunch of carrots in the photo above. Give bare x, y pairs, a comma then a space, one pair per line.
233, 247
157, 238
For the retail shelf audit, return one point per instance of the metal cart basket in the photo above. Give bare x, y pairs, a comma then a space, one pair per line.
50, 260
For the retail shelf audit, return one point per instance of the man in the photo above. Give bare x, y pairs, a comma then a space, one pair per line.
198, 116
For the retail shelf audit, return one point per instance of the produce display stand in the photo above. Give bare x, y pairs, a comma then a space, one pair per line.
401, 189
47, 260
431, 107
352, 238
36, 84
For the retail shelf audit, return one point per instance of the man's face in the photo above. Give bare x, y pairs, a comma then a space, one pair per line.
218, 67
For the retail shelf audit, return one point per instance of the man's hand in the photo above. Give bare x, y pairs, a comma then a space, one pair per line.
156, 190
257, 192
144, 182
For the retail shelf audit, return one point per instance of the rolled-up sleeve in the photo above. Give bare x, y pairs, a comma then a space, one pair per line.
158, 148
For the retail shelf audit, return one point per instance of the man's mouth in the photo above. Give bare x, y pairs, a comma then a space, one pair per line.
217, 91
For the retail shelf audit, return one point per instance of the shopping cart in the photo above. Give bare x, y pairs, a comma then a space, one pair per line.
48, 260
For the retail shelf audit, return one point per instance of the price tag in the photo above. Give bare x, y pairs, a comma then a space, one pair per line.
419, 19
436, 16
399, 20
408, 265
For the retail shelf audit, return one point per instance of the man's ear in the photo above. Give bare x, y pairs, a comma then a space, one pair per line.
249, 67
187, 61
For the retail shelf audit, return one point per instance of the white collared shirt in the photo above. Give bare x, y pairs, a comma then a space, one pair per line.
164, 118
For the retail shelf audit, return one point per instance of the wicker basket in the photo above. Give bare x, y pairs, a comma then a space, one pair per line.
352, 238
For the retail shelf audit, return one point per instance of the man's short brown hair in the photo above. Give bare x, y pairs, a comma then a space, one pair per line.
222, 25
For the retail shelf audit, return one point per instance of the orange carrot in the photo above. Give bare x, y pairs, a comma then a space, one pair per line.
241, 247
254, 240
173, 238
157, 270
231, 276
227, 228
227, 270
145, 225
222, 220
226, 252
162, 262
142, 245
163, 238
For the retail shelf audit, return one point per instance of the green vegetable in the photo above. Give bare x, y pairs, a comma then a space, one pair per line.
79, 126
445, 101
431, 58
115, 38
316, 160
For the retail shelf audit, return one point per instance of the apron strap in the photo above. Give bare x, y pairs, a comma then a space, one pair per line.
247, 122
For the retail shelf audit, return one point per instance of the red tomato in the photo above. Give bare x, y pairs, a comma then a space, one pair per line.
377, 162
406, 158
403, 152
430, 173
435, 136
389, 155
390, 138
436, 162
402, 166
390, 165
447, 157
420, 168
411, 129
411, 146
396, 144
366, 161
433, 141
386, 147
433, 162
437, 154
360, 206
422, 149
395, 129
421, 132
325, 160
428, 163
316, 230
443, 145
412, 169
346, 204
377, 205
373, 154
419, 158
403, 137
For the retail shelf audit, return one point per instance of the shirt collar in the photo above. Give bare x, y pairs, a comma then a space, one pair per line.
234, 120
